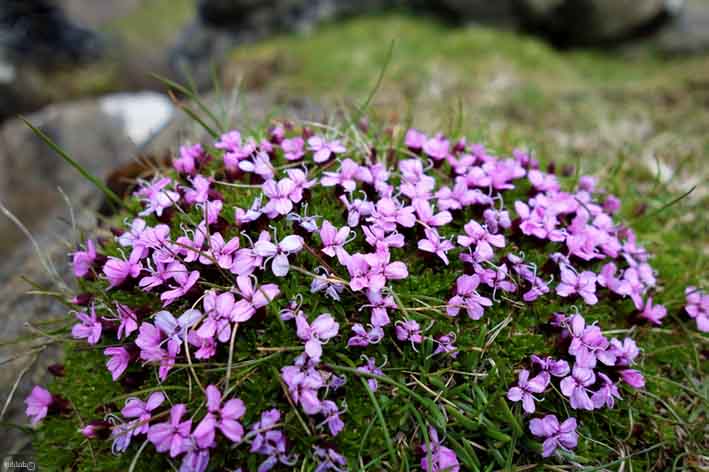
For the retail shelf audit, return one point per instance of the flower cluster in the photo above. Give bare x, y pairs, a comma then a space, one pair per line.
215, 242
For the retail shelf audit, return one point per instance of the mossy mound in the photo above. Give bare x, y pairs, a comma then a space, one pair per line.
462, 395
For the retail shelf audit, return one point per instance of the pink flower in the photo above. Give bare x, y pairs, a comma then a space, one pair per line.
467, 297
588, 344
279, 197
653, 314
253, 298
332, 417
38, 403
437, 147
434, 244
388, 213
526, 388
476, 235
606, 394
583, 284
128, 320
697, 307
118, 362
259, 165
300, 183
409, 330
83, 260
323, 149
172, 435
425, 214
557, 368
442, 459
89, 327
346, 176
625, 352
224, 418
575, 386
190, 156
555, 435
220, 251
370, 367
279, 252
156, 197
316, 334
118, 270
414, 139
219, 310
200, 192
357, 209
633, 378
185, 281
363, 338
333, 240
141, 410
293, 148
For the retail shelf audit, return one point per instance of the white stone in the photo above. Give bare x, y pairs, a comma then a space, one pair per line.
143, 114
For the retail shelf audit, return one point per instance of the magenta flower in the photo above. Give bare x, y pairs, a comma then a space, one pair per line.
253, 297
415, 139
142, 411
270, 442
583, 284
525, 389
468, 298
324, 150
557, 368
653, 313
303, 385
437, 147
363, 338
496, 220
588, 343
172, 435
625, 352
633, 378
118, 362
243, 217
184, 283
83, 260
575, 386
279, 194
373, 270
346, 176
329, 459
260, 164
200, 191
359, 208
370, 367
332, 417
219, 251
606, 394
324, 283
435, 244
388, 213
333, 240
382, 239
425, 214
316, 334
697, 307
190, 157
443, 459
118, 271
379, 305
446, 344
496, 278
89, 327
128, 320
300, 183
409, 330
278, 253
38, 403
224, 418
175, 329
483, 240
293, 148
555, 435
219, 309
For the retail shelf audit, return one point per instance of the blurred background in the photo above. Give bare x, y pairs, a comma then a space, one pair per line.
594, 83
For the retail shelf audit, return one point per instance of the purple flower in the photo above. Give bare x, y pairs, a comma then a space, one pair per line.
495, 220
156, 197
142, 411
190, 157
224, 418
483, 240
575, 386
196, 460
83, 260
382, 239
357, 209
332, 417
653, 313
379, 305
363, 338
279, 194
118, 270
370, 367
220, 251
425, 214
324, 283
172, 435
176, 329
346, 176
118, 362
279, 252
316, 334
697, 307
88, 328
496, 278
414, 139
442, 459
572, 282
259, 165
242, 217
446, 344
437, 147
434, 244
300, 183
409, 330
253, 297
388, 213
200, 191
588, 343
605, 396
468, 298
219, 310
293, 148
557, 368
269, 441
128, 320
525, 389
333, 240
633, 378
323, 149
555, 435
38, 403
373, 270
329, 459
625, 352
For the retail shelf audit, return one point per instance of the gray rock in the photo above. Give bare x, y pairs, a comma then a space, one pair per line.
687, 32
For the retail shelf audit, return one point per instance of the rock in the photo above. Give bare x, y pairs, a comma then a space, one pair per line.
142, 114
497, 13
687, 32
593, 22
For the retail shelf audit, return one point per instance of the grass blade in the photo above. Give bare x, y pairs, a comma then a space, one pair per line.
98, 183
382, 421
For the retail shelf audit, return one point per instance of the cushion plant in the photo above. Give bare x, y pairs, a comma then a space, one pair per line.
354, 298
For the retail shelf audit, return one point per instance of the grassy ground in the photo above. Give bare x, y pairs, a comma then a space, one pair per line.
640, 124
